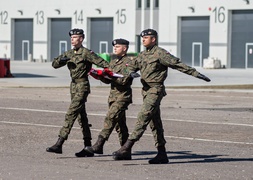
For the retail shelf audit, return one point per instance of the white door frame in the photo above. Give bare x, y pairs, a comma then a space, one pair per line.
27, 44
200, 52
246, 53
101, 43
65, 43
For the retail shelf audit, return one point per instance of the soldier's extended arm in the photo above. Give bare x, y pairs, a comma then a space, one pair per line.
60, 61
126, 77
96, 59
175, 63
133, 67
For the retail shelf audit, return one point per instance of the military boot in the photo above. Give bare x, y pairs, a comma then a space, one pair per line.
124, 153
161, 157
97, 147
83, 152
121, 144
57, 148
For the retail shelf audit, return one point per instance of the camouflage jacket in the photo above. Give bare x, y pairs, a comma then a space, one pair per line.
120, 87
153, 65
80, 62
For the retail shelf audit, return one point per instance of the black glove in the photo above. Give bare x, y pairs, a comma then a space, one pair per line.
202, 76
64, 59
134, 74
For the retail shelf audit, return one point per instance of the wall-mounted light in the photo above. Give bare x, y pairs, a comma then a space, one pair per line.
99, 10
58, 10
21, 12
192, 9
247, 1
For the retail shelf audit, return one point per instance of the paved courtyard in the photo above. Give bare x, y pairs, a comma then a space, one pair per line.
208, 133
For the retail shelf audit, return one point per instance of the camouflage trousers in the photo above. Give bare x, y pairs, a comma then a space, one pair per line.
77, 111
150, 115
116, 118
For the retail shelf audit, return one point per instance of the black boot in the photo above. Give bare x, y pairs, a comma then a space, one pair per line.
121, 144
57, 148
124, 153
161, 157
83, 152
97, 147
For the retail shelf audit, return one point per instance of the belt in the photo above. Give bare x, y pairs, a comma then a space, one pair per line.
150, 84
153, 84
79, 80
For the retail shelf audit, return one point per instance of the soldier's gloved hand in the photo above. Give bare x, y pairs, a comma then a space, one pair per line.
108, 72
100, 72
202, 76
134, 75
64, 59
96, 73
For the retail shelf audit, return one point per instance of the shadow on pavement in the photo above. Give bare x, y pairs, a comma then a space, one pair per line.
27, 75
187, 157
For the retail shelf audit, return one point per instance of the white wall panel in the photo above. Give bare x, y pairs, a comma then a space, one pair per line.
125, 26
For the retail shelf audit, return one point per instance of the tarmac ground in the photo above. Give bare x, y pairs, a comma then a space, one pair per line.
207, 126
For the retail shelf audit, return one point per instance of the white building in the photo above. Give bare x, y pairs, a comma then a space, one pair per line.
190, 29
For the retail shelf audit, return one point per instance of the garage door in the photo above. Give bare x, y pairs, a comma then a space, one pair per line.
242, 39
23, 39
59, 36
194, 45
101, 35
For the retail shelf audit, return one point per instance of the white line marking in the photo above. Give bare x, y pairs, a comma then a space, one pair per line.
34, 110
217, 123
193, 121
98, 130
134, 117
205, 140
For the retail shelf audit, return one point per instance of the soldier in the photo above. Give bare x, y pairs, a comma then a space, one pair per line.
79, 61
153, 64
119, 98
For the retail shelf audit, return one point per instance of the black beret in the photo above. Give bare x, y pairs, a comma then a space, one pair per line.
120, 41
76, 32
148, 32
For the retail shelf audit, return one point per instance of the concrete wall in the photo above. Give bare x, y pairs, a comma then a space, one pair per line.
219, 13
127, 20
122, 11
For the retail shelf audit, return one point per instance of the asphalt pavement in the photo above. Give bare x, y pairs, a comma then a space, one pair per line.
207, 126
208, 133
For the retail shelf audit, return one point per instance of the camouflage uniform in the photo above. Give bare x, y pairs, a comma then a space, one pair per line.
79, 65
119, 98
153, 64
